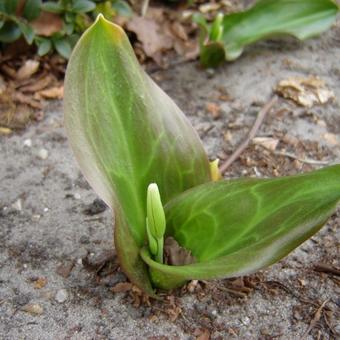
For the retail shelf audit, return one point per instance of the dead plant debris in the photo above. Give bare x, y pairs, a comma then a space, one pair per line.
305, 91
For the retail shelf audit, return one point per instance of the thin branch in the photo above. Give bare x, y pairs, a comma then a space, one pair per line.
252, 133
302, 160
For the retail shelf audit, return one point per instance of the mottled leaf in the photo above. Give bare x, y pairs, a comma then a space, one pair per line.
127, 133
237, 227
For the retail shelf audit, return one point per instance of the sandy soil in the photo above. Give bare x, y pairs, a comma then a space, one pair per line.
47, 292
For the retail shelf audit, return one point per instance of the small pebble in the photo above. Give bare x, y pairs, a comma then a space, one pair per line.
33, 309
77, 196
61, 295
28, 142
17, 205
43, 154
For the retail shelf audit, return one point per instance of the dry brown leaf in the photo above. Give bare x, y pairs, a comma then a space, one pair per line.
122, 287
267, 142
28, 69
151, 34
305, 91
56, 92
175, 254
47, 24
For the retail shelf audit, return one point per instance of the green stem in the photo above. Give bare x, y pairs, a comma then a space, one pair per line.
159, 256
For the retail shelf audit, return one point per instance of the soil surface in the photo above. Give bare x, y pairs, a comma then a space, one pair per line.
54, 235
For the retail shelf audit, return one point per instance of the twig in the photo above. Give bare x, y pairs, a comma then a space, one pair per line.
324, 268
302, 160
316, 319
145, 7
252, 133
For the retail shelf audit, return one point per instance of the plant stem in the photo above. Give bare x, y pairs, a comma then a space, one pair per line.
159, 256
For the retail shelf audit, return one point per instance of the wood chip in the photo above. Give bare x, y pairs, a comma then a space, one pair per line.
56, 92
27, 69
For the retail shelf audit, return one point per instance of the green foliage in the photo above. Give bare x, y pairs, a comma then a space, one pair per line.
227, 36
76, 15
127, 133
161, 146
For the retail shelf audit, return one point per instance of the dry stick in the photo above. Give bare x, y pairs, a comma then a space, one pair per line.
302, 160
252, 133
316, 319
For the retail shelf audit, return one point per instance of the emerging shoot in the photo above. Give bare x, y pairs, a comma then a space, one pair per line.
155, 222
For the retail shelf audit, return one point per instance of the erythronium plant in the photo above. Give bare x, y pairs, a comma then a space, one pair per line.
142, 156
229, 34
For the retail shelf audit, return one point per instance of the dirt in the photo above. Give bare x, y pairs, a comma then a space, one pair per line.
48, 225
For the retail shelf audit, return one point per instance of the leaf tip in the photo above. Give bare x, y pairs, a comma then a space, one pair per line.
116, 31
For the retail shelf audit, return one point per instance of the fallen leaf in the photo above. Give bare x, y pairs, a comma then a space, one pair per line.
33, 309
27, 69
47, 24
175, 254
151, 34
267, 142
305, 91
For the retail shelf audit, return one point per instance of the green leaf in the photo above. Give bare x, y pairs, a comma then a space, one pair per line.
236, 227
63, 47
9, 6
9, 32
44, 46
122, 8
1, 23
83, 6
27, 31
126, 133
299, 18
53, 7
32, 9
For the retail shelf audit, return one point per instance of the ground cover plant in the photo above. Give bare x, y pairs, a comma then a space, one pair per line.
141, 155
18, 18
228, 35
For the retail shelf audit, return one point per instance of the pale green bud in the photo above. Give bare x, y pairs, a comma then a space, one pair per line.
217, 28
155, 212
151, 240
